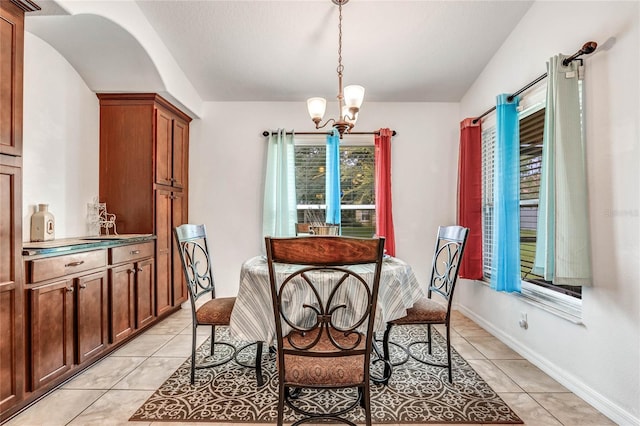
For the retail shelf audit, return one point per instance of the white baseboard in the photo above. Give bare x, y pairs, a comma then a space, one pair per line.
571, 382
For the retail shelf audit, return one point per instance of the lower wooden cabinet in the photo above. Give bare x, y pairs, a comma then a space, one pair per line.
75, 307
132, 289
11, 358
51, 318
55, 346
92, 315
145, 293
82, 303
122, 302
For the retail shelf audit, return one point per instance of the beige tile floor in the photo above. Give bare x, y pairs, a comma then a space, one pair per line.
109, 392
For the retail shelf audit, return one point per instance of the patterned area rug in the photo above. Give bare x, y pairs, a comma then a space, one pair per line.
416, 393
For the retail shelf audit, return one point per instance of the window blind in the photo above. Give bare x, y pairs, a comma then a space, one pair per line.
488, 149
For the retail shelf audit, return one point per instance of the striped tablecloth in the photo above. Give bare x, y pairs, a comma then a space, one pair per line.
252, 316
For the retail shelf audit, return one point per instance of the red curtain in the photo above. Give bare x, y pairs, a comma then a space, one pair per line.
470, 197
384, 216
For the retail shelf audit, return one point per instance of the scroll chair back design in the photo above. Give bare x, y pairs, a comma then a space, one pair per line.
449, 249
324, 306
196, 263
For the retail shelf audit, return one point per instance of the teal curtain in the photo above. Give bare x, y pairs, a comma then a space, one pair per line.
333, 178
563, 244
279, 211
505, 270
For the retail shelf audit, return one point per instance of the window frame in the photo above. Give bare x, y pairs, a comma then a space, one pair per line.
346, 141
561, 304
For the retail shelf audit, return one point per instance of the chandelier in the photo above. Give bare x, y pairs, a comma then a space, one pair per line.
349, 99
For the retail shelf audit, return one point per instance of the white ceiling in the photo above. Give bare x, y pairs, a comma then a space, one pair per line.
262, 50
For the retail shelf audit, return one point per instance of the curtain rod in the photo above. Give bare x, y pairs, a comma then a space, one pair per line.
587, 48
377, 132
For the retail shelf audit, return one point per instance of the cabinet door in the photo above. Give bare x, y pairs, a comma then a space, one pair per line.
91, 315
164, 128
11, 51
145, 283
11, 284
11, 359
122, 301
164, 238
51, 331
180, 294
180, 153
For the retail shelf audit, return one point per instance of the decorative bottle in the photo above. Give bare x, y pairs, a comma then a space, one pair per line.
43, 224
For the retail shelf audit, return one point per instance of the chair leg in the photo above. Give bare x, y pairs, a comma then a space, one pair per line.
449, 353
259, 379
387, 355
429, 338
365, 402
282, 391
193, 353
212, 349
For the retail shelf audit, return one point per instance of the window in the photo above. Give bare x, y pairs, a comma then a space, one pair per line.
357, 172
531, 136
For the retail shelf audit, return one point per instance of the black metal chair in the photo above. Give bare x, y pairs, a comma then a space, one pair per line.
196, 263
324, 318
449, 248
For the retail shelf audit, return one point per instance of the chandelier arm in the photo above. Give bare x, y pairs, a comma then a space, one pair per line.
320, 126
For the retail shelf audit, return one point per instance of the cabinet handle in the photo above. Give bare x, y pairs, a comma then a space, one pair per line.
139, 269
172, 197
134, 252
133, 271
78, 263
83, 286
172, 179
69, 289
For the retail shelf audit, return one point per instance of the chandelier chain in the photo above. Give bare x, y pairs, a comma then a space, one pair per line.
340, 67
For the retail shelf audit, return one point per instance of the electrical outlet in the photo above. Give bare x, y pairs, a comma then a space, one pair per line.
523, 320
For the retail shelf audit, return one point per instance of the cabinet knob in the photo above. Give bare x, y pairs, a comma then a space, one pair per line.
132, 271
69, 289
83, 286
139, 269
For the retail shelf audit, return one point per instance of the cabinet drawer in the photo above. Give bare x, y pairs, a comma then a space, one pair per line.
131, 252
59, 266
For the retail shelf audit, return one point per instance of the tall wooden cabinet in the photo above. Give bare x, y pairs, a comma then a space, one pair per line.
144, 146
12, 364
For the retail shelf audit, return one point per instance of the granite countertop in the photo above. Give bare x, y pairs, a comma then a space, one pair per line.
64, 245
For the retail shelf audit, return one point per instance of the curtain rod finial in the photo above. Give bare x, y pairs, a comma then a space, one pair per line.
589, 47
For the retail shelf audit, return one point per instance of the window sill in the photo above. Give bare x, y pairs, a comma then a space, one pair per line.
561, 305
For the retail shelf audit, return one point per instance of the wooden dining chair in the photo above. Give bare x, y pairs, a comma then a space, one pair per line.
216, 311
303, 229
449, 248
324, 315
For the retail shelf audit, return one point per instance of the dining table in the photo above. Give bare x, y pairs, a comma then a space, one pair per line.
252, 318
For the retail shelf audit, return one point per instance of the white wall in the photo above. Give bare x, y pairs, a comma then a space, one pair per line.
60, 140
600, 359
227, 156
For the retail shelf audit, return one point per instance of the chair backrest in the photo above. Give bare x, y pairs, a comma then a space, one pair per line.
303, 228
447, 256
321, 301
196, 262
